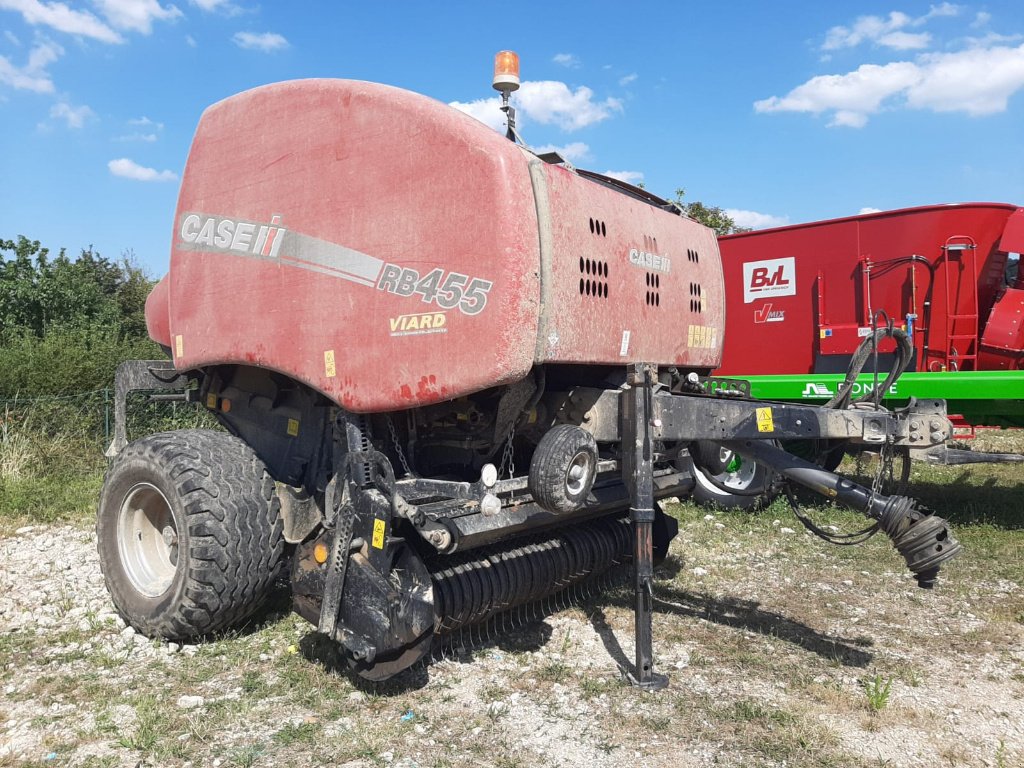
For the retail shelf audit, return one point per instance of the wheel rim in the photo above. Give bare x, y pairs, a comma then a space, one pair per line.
739, 475
147, 540
578, 473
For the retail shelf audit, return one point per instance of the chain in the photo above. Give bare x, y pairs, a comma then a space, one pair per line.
507, 462
398, 448
885, 469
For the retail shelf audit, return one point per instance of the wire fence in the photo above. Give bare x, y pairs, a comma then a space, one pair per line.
84, 421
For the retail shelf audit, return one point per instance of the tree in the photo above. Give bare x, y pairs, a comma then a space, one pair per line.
38, 293
66, 324
708, 215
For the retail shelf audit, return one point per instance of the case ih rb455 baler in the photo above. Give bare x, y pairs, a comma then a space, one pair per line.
455, 379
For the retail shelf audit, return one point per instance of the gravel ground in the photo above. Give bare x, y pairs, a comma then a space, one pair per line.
768, 662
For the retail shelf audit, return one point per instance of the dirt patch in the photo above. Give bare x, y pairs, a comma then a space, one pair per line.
772, 641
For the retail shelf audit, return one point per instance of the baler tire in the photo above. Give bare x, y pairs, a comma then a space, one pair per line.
559, 450
706, 494
189, 533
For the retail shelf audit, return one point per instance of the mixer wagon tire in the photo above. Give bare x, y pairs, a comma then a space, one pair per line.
189, 533
563, 468
748, 477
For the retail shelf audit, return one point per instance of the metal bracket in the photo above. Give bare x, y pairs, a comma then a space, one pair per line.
138, 376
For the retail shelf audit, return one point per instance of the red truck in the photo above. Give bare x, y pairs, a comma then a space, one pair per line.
801, 299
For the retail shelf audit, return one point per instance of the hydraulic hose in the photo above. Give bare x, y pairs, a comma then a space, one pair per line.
904, 353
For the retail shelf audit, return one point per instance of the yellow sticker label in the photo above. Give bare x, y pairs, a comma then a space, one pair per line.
764, 420
211, 401
329, 368
378, 533
178, 346
293, 427
702, 337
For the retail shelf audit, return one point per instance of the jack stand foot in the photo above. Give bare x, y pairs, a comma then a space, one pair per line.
655, 681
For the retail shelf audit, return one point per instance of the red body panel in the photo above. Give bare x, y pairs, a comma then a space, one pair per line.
390, 252
652, 277
801, 297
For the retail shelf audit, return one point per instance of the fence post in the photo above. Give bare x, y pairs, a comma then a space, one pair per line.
106, 416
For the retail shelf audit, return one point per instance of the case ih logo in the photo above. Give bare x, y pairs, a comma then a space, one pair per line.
223, 234
764, 279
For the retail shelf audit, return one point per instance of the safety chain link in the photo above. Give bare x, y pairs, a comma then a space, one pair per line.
507, 462
398, 448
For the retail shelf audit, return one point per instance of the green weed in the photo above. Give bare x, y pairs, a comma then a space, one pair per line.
878, 691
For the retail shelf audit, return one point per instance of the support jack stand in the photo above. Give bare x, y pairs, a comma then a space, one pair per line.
638, 475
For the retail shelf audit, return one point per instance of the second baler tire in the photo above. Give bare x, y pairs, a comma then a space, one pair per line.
706, 494
223, 506
557, 451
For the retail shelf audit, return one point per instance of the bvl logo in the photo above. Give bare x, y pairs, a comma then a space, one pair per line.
773, 277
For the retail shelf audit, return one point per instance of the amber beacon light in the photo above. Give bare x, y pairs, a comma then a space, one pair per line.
506, 72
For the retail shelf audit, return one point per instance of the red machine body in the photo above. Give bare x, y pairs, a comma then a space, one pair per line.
801, 298
392, 252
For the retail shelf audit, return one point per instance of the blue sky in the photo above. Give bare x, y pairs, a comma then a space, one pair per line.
780, 112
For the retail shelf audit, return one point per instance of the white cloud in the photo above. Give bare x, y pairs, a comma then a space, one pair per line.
887, 31
942, 9
545, 102
191, 41
136, 15
12, 38
551, 101
148, 132
981, 19
992, 39
977, 81
223, 7
566, 60
74, 117
147, 138
63, 19
574, 152
265, 41
485, 110
630, 177
33, 76
906, 41
855, 95
868, 209
129, 169
865, 28
848, 119
626, 80
145, 122
755, 220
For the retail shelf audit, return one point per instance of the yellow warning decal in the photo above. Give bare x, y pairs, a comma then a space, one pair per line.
178, 346
329, 368
764, 420
293, 427
378, 533
211, 401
